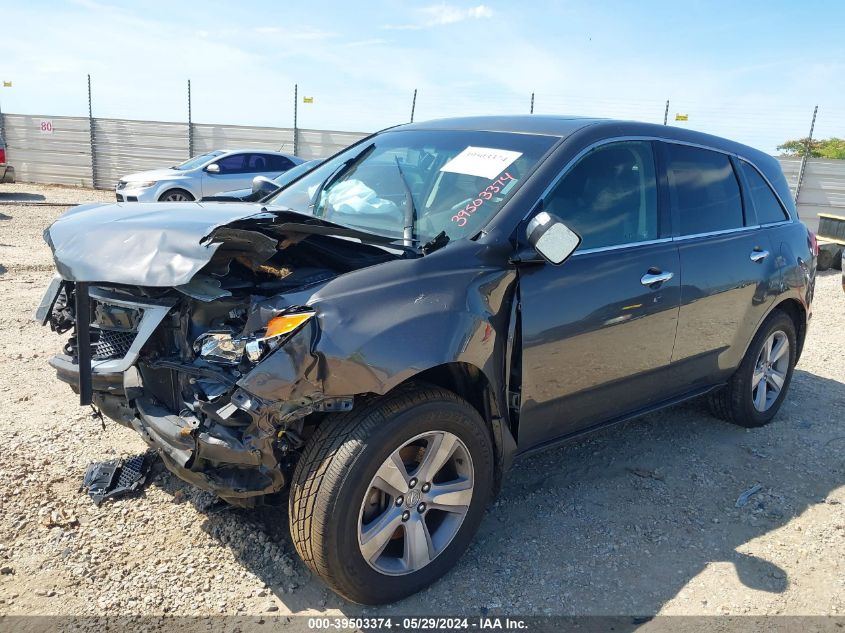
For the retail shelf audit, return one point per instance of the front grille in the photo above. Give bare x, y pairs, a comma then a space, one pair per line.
109, 344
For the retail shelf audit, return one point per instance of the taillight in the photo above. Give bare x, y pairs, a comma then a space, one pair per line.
2, 155
813, 243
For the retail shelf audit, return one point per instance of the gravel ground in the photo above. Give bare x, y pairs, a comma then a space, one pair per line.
638, 519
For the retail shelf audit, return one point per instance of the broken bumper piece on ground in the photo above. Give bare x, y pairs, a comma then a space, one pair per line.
115, 478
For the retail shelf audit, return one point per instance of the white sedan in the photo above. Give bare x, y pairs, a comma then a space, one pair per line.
204, 175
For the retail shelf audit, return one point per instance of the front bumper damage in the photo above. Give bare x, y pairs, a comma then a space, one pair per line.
234, 445
240, 463
214, 460
135, 354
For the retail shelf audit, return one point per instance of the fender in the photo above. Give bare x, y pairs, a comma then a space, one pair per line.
380, 326
352, 349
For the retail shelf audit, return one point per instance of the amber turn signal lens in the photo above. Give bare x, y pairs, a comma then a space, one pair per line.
286, 323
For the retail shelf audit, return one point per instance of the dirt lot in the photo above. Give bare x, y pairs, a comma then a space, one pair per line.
639, 519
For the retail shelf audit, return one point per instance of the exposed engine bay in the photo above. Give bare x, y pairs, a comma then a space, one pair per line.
170, 362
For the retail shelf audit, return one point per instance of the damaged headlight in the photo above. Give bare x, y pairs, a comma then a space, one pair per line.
222, 347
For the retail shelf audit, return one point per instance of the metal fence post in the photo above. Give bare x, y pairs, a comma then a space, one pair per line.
666, 113
190, 124
806, 155
413, 105
295, 129
92, 139
532, 103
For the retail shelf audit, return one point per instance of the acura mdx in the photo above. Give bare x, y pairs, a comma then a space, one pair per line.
379, 341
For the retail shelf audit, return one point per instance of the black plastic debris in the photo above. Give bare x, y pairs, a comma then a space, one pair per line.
115, 478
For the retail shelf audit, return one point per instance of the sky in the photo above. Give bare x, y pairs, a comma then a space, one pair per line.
752, 71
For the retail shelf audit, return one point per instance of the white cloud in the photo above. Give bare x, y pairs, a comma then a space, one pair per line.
295, 34
375, 41
445, 14
441, 14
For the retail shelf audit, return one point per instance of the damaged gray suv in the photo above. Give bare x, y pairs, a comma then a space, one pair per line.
381, 339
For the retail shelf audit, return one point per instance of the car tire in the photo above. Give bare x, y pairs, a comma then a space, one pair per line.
740, 401
176, 195
824, 260
337, 502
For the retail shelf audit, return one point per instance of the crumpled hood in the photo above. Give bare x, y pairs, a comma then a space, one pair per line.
153, 174
151, 244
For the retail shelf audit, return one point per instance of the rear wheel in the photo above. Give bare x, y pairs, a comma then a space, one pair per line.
756, 391
384, 500
175, 195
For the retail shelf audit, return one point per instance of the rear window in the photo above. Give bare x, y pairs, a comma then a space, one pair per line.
704, 190
278, 163
765, 203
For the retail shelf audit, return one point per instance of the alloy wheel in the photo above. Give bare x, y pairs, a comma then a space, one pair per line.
416, 503
176, 197
770, 371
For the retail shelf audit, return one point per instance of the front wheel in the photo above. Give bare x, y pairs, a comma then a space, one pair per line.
754, 394
384, 500
176, 195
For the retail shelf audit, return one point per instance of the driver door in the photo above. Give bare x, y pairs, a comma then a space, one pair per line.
598, 330
233, 174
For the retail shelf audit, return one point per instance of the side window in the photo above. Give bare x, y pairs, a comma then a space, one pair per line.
704, 189
610, 196
277, 163
231, 164
765, 203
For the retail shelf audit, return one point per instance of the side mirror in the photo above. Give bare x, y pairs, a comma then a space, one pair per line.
213, 168
551, 238
262, 184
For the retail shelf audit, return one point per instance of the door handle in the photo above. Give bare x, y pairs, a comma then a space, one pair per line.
655, 276
758, 255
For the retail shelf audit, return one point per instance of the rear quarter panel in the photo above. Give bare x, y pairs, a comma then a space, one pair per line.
798, 265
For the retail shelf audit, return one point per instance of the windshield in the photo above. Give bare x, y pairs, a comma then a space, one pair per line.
295, 172
415, 184
197, 161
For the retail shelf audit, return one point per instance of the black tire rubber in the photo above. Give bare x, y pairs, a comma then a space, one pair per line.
335, 470
824, 261
162, 197
733, 403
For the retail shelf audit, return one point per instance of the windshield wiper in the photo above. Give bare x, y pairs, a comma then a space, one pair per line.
438, 241
338, 173
409, 235
408, 231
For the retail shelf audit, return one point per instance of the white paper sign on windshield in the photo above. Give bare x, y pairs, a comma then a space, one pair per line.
486, 162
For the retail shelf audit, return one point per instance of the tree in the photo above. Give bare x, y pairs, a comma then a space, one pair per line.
818, 148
